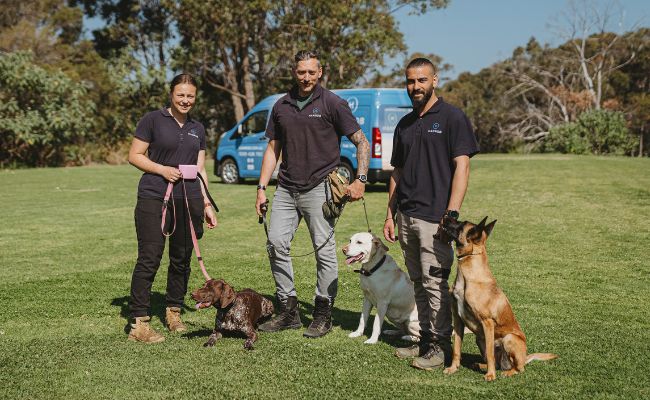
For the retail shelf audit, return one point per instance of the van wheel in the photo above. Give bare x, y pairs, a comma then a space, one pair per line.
346, 171
229, 171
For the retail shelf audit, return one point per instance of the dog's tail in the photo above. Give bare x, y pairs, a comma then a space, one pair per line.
541, 357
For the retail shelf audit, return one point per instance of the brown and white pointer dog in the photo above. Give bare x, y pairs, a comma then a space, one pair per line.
236, 311
479, 304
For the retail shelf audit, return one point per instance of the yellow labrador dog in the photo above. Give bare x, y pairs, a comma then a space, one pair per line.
385, 286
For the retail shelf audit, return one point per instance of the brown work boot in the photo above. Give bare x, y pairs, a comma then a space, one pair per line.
173, 320
141, 331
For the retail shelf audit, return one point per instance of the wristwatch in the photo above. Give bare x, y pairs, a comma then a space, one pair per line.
362, 178
452, 213
261, 187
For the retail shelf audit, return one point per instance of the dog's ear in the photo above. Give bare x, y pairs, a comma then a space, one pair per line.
481, 224
488, 228
379, 243
227, 295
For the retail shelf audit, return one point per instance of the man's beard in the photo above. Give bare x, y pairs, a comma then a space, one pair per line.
423, 101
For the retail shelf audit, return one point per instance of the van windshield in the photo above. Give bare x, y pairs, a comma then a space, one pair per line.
389, 116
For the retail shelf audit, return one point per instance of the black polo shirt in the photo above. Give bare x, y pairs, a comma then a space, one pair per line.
424, 147
310, 137
169, 145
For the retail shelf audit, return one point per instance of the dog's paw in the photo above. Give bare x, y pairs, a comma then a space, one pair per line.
371, 341
490, 376
355, 334
450, 370
248, 344
209, 343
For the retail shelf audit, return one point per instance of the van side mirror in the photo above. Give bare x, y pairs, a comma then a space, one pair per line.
240, 129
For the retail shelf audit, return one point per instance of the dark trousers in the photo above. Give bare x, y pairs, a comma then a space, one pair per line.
151, 244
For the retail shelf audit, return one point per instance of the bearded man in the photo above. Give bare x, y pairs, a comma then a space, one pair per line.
431, 150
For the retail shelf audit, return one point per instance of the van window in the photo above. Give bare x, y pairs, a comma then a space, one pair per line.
255, 123
389, 116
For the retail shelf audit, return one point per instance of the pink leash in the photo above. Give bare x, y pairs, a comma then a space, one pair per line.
187, 172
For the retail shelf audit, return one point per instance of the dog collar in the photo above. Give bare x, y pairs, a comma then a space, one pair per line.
460, 258
372, 271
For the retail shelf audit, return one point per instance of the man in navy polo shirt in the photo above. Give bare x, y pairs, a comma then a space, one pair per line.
306, 126
431, 151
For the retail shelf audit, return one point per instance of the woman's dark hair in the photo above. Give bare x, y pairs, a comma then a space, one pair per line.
180, 79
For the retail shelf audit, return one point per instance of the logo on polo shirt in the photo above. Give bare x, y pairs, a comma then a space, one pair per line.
193, 132
315, 113
435, 128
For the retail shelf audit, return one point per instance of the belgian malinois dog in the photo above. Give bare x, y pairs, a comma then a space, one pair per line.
481, 305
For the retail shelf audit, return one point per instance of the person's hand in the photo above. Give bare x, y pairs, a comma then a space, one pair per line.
170, 174
210, 217
261, 199
389, 230
442, 234
355, 190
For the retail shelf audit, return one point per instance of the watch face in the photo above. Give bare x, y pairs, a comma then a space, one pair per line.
453, 213
362, 178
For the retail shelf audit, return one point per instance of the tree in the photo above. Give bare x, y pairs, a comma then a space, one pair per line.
594, 53
41, 112
141, 28
254, 59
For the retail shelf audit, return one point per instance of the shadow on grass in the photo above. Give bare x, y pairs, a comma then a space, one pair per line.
344, 319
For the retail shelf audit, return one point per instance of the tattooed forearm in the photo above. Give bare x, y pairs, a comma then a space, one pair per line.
363, 151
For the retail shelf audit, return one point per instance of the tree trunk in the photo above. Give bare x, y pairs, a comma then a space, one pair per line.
247, 78
641, 143
230, 78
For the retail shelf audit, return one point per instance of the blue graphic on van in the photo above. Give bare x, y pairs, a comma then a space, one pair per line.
353, 103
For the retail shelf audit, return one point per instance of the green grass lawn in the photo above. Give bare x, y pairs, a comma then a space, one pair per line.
570, 249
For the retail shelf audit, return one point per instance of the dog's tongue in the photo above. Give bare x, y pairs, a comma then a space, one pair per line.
201, 305
353, 259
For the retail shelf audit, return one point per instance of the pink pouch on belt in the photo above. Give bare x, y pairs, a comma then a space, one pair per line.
188, 171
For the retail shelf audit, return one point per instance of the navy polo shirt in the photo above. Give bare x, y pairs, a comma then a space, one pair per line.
169, 145
424, 148
310, 137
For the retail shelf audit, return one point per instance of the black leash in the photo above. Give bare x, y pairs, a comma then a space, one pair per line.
214, 204
262, 220
363, 199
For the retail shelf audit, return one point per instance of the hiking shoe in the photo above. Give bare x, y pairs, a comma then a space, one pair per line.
141, 331
322, 322
287, 317
173, 320
415, 350
438, 355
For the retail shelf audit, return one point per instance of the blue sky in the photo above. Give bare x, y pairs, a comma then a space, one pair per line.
473, 34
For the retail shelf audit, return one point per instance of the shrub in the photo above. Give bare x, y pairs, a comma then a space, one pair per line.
594, 132
41, 112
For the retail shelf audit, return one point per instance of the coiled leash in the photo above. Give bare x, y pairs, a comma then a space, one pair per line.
187, 174
271, 250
